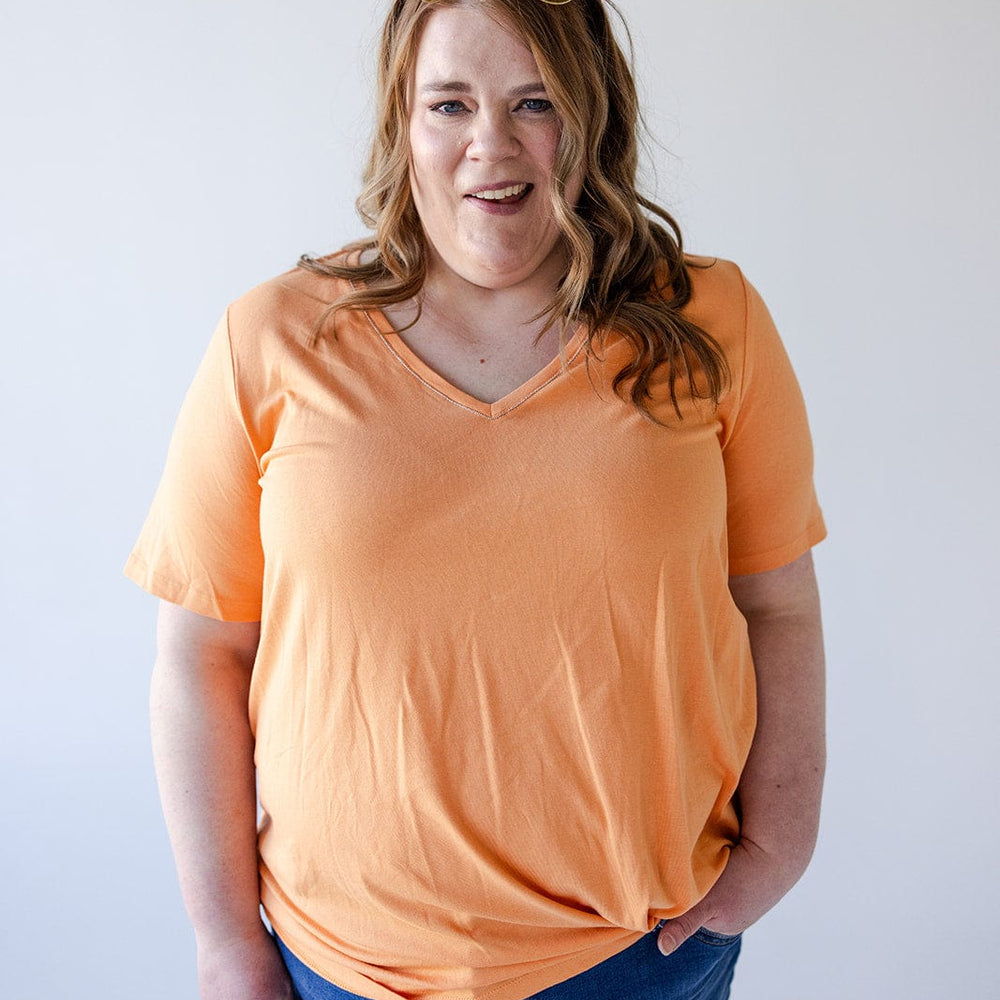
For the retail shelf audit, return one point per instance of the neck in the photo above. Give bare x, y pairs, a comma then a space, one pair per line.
480, 314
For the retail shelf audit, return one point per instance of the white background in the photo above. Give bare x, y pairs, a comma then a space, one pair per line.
160, 159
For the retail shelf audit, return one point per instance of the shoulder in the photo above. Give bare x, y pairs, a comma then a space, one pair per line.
719, 293
726, 305
291, 311
287, 299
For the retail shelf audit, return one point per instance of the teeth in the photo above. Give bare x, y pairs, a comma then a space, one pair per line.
507, 192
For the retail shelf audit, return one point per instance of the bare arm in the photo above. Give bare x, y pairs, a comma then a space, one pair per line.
781, 785
203, 750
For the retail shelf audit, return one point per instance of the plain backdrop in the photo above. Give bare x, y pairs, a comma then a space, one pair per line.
160, 159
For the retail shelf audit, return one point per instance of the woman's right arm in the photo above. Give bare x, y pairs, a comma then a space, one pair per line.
203, 751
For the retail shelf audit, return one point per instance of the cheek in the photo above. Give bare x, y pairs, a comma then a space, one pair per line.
550, 137
433, 157
429, 188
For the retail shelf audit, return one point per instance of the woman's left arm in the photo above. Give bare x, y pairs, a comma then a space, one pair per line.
782, 783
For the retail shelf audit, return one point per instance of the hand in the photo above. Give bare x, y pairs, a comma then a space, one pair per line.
752, 882
247, 968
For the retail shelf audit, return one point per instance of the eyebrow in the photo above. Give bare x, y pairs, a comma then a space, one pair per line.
459, 86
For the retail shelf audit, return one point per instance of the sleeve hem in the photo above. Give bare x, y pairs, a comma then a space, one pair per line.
188, 596
761, 562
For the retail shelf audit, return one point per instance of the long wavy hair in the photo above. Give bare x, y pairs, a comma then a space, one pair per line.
626, 267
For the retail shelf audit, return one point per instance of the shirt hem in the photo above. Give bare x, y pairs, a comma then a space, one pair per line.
518, 987
762, 562
185, 595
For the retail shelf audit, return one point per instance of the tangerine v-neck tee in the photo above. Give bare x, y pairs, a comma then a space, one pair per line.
502, 696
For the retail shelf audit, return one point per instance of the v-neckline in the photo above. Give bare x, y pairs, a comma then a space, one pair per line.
439, 385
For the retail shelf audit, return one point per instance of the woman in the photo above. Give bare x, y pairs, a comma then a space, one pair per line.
466, 537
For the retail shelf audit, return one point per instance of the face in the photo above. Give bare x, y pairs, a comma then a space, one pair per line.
483, 139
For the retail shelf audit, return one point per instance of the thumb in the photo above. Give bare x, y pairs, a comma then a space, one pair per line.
675, 932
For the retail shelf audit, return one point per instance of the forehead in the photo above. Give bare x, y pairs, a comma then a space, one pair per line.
469, 43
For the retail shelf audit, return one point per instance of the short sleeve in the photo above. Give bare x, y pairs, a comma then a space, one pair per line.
200, 546
773, 516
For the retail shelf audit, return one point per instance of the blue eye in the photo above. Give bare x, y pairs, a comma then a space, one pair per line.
536, 104
448, 107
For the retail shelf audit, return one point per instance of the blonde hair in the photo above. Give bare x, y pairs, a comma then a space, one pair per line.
626, 270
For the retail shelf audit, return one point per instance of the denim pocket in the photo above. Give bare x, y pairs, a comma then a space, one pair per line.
707, 936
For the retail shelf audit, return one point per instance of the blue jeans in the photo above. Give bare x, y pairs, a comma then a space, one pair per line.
701, 969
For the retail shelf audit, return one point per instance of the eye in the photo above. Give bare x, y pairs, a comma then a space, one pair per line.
536, 105
448, 108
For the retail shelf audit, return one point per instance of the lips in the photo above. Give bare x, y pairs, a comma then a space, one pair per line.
509, 194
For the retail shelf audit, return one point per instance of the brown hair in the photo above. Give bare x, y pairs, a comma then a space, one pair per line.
626, 269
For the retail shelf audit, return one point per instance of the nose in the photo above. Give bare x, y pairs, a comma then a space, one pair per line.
493, 137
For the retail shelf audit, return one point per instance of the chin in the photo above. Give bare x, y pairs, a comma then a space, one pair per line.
497, 265
498, 279
505, 271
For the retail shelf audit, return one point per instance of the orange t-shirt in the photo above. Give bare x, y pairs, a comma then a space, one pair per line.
502, 697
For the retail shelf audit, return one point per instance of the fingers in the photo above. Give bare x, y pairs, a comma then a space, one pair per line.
675, 932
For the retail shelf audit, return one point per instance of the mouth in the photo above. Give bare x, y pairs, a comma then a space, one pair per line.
509, 195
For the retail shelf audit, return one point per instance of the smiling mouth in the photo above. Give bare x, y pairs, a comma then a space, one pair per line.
504, 196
